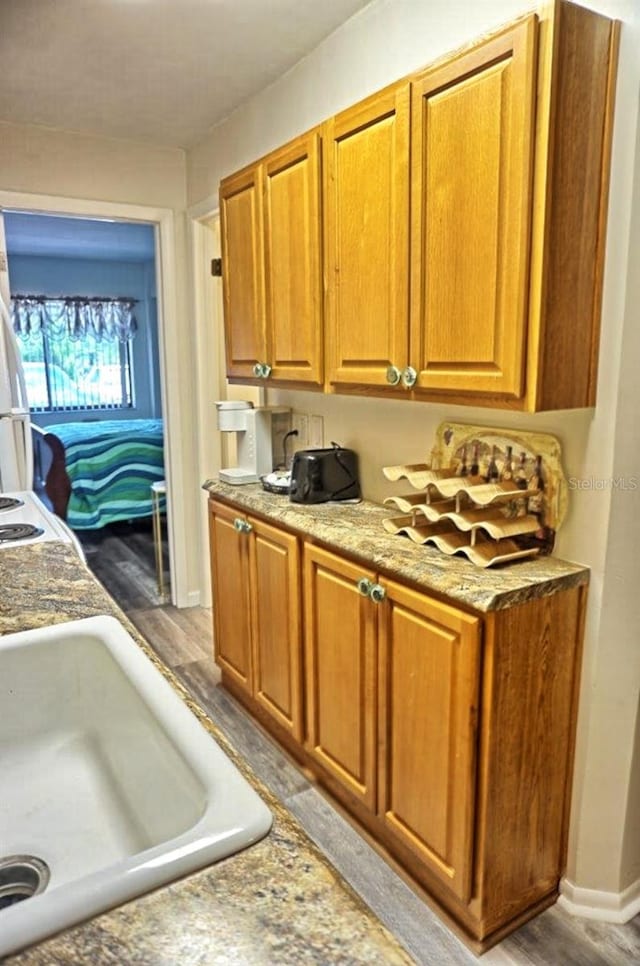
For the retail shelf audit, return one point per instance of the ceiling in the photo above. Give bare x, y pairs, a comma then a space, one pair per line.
163, 71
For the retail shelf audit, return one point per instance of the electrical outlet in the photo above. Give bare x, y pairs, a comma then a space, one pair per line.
300, 421
316, 432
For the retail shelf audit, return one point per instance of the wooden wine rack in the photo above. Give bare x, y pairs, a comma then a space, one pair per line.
490, 523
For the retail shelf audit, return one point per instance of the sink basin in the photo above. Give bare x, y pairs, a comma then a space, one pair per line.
107, 779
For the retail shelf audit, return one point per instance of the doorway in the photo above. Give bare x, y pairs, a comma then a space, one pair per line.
183, 543
84, 299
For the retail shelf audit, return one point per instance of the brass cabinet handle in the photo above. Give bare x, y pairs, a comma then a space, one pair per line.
377, 593
393, 375
364, 586
409, 377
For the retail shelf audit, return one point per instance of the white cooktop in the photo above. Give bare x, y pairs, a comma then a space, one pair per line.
31, 512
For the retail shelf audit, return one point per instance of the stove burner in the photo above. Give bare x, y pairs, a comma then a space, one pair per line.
18, 531
10, 503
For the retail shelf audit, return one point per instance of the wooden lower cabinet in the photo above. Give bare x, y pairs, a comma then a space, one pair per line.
341, 672
230, 584
448, 735
429, 667
257, 613
392, 694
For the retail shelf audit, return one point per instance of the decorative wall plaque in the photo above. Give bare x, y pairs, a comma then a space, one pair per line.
494, 495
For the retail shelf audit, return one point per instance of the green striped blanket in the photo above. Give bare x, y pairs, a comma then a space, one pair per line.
111, 466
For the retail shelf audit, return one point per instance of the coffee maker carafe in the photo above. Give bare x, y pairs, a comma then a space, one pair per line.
255, 430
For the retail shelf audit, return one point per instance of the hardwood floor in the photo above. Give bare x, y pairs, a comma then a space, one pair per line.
122, 557
123, 560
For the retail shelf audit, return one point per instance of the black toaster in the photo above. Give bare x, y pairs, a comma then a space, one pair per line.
320, 475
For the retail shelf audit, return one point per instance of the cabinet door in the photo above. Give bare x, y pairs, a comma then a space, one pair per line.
277, 640
340, 650
367, 237
243, 275
293, 273
231, 598
471, 183
429, 673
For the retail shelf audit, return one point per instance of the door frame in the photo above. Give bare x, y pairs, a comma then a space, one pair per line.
204, 243
169, 346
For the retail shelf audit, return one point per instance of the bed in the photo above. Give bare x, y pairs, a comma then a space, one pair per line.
101, 472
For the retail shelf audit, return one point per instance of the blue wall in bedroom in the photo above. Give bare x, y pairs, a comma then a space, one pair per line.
45, 275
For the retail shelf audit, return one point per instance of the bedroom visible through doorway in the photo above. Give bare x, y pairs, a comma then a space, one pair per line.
84, 307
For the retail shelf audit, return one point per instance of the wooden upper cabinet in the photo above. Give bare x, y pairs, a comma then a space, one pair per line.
366, 238
577, 80
471, 183
272, 273
243, 278
460, 216
293, 270
429, 662
510, 168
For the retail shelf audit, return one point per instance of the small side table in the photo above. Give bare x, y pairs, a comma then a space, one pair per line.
158, 492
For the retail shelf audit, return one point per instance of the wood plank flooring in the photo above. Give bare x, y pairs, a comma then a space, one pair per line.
123, 561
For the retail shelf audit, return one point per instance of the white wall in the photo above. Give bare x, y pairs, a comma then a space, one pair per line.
381, 43
143, 182
385, 41
46, 161
615, 703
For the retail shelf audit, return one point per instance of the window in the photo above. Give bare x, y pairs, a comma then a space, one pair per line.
81, 377
76, 353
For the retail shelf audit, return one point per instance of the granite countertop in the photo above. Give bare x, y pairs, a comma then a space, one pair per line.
356, 529
279, 901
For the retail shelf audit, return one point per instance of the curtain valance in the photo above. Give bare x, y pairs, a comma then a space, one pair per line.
74, 317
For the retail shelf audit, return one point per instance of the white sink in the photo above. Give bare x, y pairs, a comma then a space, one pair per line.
105, 776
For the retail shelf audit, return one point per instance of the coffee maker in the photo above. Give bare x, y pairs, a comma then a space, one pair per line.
258, 431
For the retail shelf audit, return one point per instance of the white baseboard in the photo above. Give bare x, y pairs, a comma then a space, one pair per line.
190, 599
615, 907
